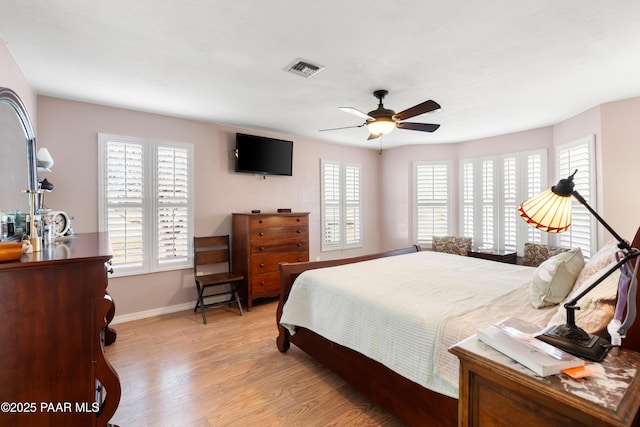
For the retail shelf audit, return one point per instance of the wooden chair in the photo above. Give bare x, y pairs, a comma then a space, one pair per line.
209, 255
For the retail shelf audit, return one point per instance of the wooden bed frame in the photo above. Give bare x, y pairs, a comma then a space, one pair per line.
410, 402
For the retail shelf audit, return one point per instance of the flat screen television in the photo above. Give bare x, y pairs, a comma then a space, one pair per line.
262, 155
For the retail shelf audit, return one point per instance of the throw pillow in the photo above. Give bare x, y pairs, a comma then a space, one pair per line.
553, 279
535, 254
452, 245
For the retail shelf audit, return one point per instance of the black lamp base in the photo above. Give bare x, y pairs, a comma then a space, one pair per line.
588, 346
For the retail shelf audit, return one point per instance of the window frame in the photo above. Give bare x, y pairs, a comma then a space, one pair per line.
342, 204
149, 205
448, 203
569, 238
473, 206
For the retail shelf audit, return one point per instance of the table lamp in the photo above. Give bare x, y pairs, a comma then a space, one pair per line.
550, 211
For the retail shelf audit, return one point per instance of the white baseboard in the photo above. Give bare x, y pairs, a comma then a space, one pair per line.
151, 313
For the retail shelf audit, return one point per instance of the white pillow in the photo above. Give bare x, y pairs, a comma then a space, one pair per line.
554, 278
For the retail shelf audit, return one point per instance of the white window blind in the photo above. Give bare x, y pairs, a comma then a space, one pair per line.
352, 204
172, 178
468, 198
124, 197
146, 203
509, 229
432, 201
341, 205
487, 204
571, 156
534, 183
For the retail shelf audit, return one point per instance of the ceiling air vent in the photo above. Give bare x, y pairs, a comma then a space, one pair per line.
304, 68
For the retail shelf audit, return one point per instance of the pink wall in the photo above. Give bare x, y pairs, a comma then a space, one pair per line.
11, 77
621, 152
70, 130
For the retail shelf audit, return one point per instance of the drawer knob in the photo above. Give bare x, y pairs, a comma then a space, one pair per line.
299, 244
299, 259
262, 248
298, 219
261, 283
261, 234
261, 264
260, 221
298, 231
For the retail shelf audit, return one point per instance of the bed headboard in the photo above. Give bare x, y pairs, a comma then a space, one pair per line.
632, 341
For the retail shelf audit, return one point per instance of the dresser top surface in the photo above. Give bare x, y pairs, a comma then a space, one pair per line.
80, 247
271, 213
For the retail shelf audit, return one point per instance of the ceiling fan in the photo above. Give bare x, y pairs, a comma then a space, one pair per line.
382, 121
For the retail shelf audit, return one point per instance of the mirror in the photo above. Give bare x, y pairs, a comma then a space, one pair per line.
17, 154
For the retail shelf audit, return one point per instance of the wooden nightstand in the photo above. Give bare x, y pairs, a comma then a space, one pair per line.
495, 390
509, 257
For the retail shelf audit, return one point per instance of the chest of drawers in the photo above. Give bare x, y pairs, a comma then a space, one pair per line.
259, 242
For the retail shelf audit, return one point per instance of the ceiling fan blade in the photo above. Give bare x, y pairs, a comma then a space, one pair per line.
358, 113
424, 127
346, 127
416, 110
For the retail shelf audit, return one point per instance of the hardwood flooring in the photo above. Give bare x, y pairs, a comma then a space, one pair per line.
176, 371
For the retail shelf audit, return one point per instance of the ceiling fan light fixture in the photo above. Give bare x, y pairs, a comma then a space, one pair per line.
381, 126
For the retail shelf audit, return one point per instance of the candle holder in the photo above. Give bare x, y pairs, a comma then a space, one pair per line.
34, 226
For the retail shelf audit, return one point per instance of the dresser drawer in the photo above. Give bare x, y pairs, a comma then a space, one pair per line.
268, 263
265, 282
297, 243
278, 221
277, 233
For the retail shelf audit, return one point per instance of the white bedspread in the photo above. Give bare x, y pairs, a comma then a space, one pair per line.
394, 309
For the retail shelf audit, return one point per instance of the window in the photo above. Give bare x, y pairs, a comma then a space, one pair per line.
432, 201
145, 196
341, 205
491, 191
569, 157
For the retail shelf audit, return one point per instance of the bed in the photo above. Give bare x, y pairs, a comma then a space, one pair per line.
422, 395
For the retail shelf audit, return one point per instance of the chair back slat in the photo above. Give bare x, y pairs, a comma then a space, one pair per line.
211, 250
211, 256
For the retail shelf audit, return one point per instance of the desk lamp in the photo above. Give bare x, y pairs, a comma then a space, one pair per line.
550, 211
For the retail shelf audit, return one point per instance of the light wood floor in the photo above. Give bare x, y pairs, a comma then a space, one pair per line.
176, 371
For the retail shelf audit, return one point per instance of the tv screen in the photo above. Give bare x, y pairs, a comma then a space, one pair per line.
261, 155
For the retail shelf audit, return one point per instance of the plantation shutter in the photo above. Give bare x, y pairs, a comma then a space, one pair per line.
487, 203
533, 186
331, 204
468, 198
579, 155
352, 205
172, 192
432, 201
509, 203
124, 197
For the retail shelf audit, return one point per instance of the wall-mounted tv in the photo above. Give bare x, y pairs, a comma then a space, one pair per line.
262, 155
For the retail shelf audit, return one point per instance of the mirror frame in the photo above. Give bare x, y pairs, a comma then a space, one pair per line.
10, 97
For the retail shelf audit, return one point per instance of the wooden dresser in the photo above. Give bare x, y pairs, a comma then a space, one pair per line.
497, 391
261, 241
53, 371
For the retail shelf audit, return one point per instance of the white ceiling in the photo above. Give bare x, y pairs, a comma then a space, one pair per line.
495, 66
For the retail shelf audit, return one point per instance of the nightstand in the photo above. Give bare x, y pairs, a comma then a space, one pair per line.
509, 257
495, 390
